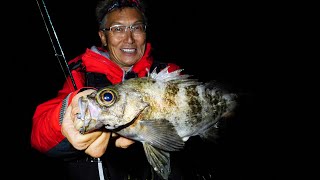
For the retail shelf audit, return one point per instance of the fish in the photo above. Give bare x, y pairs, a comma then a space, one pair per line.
162, 111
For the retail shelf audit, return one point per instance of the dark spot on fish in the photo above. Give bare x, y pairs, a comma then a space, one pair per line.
170, 92
172, 89
194, 103
219, 104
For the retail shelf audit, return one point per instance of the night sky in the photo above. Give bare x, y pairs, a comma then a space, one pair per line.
223, 42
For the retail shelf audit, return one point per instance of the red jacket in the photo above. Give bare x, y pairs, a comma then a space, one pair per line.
46, 128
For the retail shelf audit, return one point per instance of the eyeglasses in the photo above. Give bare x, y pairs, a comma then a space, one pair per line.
120, 30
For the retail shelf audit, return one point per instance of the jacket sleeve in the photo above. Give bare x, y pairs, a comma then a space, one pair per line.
46, 135
173, 67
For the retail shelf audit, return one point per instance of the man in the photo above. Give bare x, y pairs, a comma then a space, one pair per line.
125, 53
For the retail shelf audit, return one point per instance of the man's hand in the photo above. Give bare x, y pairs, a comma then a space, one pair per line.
122, 142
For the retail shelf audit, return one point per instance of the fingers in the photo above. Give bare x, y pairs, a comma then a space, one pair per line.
99, 146
67, 126
78, 140
114, 135
123, 142
75, 99
75, 111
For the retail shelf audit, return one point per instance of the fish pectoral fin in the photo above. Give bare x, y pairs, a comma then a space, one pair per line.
158, 159
161, 134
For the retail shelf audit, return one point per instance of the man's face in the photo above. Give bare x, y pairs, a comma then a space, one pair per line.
125, 45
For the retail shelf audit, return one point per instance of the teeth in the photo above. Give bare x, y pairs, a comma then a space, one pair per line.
128, 50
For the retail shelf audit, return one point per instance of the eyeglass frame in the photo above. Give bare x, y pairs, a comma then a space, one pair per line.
126, 27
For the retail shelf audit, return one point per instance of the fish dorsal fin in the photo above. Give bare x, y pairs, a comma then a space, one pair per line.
164, 75
158, 159
161, 134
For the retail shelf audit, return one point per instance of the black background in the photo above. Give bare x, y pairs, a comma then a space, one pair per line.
227, 42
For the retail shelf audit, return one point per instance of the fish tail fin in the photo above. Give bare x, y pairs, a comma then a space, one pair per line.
210, 134
224, 104
214, 132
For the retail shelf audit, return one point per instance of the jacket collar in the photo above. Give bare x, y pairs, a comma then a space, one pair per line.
98, 62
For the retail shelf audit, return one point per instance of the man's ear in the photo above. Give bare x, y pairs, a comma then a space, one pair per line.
103, 38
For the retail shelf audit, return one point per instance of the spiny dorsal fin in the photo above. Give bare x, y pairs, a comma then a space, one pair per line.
165, 76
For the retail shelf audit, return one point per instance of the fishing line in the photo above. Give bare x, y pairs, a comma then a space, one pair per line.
58, 43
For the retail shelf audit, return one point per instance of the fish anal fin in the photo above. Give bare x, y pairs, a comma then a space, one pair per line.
159, 160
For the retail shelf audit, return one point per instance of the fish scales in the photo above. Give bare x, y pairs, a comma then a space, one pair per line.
161, 111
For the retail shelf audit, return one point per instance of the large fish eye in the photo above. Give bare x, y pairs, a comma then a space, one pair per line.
107, 97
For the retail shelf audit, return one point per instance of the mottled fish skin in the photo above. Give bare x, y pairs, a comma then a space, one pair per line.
162, 111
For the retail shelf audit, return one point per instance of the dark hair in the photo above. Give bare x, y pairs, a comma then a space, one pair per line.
106, 6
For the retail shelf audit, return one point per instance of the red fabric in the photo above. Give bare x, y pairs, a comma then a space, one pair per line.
46, 130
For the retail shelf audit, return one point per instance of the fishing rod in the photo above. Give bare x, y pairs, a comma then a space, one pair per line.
58, 55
